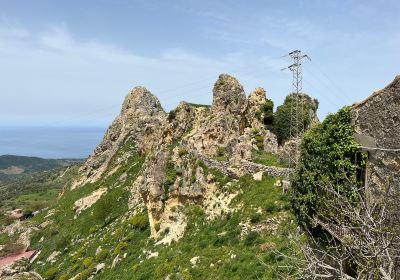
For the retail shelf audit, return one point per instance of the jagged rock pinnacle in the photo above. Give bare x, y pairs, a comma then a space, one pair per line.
228, 95
141, 101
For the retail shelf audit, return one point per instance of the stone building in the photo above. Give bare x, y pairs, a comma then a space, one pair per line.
377, 129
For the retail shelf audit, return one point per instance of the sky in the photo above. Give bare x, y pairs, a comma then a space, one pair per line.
71, 63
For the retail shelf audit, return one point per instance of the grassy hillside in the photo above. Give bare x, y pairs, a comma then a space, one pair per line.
12, 166
120, 238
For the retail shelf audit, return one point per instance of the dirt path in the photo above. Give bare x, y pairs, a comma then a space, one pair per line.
10, 259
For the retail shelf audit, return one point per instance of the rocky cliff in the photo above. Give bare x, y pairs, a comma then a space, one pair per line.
159, 179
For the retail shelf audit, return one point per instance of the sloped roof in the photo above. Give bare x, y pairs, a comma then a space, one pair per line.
395, 83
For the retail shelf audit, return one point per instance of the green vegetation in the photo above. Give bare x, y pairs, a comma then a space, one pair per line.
283, 120
13, 167
267, 113
221, 154
223, 253
35, 192
266, 158
330, 157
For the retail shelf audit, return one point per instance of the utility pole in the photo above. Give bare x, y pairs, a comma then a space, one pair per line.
297, 126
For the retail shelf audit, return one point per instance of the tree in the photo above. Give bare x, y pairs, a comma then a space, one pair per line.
284, 118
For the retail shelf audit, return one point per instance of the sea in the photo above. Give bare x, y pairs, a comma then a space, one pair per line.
50, 142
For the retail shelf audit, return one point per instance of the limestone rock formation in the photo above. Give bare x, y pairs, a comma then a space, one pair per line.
254, 107
228, 95
142, 119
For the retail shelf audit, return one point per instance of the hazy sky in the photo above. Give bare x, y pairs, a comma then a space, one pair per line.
72, 62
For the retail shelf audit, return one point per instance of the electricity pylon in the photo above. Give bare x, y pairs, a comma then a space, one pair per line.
297, 125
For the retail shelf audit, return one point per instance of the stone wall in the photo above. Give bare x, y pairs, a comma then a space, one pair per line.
245, 166
377, 129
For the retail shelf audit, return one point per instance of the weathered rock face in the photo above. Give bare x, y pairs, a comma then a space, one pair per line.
226, 121
228, 96
141, 119
171, 176
377, 128
270, 142
253, 112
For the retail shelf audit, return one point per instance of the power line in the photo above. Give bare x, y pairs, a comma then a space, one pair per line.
297, 124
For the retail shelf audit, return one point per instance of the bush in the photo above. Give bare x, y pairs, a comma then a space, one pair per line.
140, 221
120, 247
251, 238
259, 142
171, 115
182, 152
267, 110
101, 255
285, 124
87, 262
51, 273
171, 175
62, 241
330, 157
255, 218
102, 209
64, 277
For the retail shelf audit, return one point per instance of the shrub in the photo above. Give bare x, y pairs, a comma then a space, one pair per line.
101, 255
140, 221
330, 157
171, 175
255, 218
102, 209
120, 247
182, 152
171, 115
251, 238
51, 273
259, 142
64, 277
87, 262
62, 241
267, 110
285, 124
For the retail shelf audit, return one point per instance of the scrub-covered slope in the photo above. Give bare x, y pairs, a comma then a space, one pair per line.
175, 195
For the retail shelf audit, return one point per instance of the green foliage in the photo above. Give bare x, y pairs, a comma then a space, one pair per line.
328, 159
87, 262
51, 273
266, 158
255, 218
102, 209
259, 142
221, 154
64, 277
140, 221
284, 119
101, 255
267, 110
251, 237
120, 247
182, 152
62, 241
171, 175
171, 115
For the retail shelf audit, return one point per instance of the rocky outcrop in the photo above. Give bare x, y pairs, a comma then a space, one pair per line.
171, 176
142, 119
270, 142
226, 121
254, 114
228, 96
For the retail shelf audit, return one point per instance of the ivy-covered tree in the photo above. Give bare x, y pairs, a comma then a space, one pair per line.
330, 157
285, 124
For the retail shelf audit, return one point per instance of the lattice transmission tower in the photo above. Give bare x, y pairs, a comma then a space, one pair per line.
297, 124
